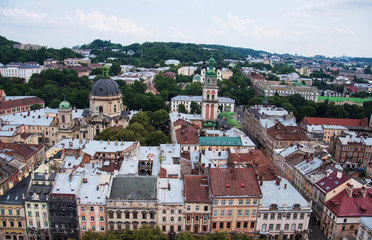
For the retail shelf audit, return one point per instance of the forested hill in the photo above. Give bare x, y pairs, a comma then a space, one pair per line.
150, 53
9, 54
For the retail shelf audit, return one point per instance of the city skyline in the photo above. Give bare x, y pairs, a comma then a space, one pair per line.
331, 28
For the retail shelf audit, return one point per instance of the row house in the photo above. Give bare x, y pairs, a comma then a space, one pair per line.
341, 214
235, 196
186, 134
223, 102
279, 216
351, 151
327, 188
223, 143
281, 136
12, 213
91, 202
62, 204
132, 202
20, 70
365, 228
17, 104
198, 204
36, 205
259, 118
9, 175
171, 205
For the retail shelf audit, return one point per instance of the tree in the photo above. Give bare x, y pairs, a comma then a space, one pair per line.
92, 235
195, 108
160, 119
218, 236
35, 106
182, 108
241, 236
115, 68
185, 236
149, 233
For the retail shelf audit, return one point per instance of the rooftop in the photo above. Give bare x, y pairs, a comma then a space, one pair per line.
336, 121
170, 191
67, 183
220, 141
134, 188
93, 147
196, 189
14, 195
331, 182
231, 182
94, 189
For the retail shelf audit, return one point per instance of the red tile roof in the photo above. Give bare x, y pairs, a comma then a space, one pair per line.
234, 182
331, 182
287, 133
23, 150
255, 158
336, 121
195, 191
8, 104
188, 133
356, 206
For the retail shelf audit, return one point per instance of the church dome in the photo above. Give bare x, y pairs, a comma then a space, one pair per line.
105, 88
64, 105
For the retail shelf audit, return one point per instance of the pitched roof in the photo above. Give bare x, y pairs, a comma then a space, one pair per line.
234, 182
336, 121
220, 141
287, 133
196, 189
188, 133
20, 102
342, 205
331, 182
14, 195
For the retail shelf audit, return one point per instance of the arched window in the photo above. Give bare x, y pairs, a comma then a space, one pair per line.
207, 112
63, 118
212, 111
100, 109
114, 108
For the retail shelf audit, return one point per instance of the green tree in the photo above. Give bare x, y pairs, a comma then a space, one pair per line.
182, 108
92, 235
149, 233
185, 236
195, 108
35, 106
115, 68
218, 236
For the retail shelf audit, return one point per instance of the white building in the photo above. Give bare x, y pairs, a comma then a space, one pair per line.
171, 61
281, 216
20, 70
186, 100
365, 228
187, 70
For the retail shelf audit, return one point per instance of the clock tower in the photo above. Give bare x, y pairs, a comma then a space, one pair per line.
210, 93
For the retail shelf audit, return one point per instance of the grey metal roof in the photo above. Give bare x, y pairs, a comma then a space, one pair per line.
105, 88
134, 188
38, 192
14, 195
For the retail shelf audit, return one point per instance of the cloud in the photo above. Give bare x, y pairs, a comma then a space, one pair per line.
22, 14
178, 33
243, 26
345, 31
106, 23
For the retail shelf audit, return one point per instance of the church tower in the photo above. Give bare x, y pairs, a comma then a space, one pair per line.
210, 93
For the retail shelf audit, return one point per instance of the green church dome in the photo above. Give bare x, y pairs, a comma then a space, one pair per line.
64, 105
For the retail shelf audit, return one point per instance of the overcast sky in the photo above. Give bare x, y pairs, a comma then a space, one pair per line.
305, 27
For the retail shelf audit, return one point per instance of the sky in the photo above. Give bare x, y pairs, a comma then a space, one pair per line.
303, 27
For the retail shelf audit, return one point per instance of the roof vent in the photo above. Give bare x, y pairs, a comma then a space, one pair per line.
227, 185
242, 185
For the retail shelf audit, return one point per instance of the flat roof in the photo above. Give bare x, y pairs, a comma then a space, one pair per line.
220, 141
134, 188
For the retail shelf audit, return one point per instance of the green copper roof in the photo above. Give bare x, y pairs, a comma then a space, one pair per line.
342, 99
297, 83
64, 105
196, 77
220, 141
105, 71
225, 114
210, 70
232, 122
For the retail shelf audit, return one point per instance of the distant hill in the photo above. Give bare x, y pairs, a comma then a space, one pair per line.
150, 53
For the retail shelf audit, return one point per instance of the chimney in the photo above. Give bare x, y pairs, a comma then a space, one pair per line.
349, 189
70, 177
339, 174
261, 181
108, 141
363, 191
242, 185
169, 187
204, 181
278, 180
116, 142
285, 186
97, 187
227, 185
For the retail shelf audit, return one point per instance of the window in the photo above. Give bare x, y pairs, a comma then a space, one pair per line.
215, 202
164, 211
300, 226
18, 212
228, 225
286, 227
271, 227
134, 215
245, 225
223, 202
172, 219
248, 201
279, 216
164, 219
37, 214
222, 213
180, 219
172, 210
2, 211
238, 224
254, 211
265, 216
255, 201
102, 228
92, 219
230, 202
272, 216
84, 228
101, 209
214, 225
101, 219
215, 213
196, 208
111, 215
10, 211
294, 216
239, 213
288, 216
277, 227
83, 209
343, 228
29, 213
246, 213
221, 225
264, 226
302, 216
229, 213
345, 220
92, 209
293, 227
240, 201
188, 208
118, 214
83, 218
205, 208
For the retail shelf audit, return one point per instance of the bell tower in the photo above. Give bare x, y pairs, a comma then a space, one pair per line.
210, 93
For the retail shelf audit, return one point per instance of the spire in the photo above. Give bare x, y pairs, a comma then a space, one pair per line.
210, 71
105, 71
